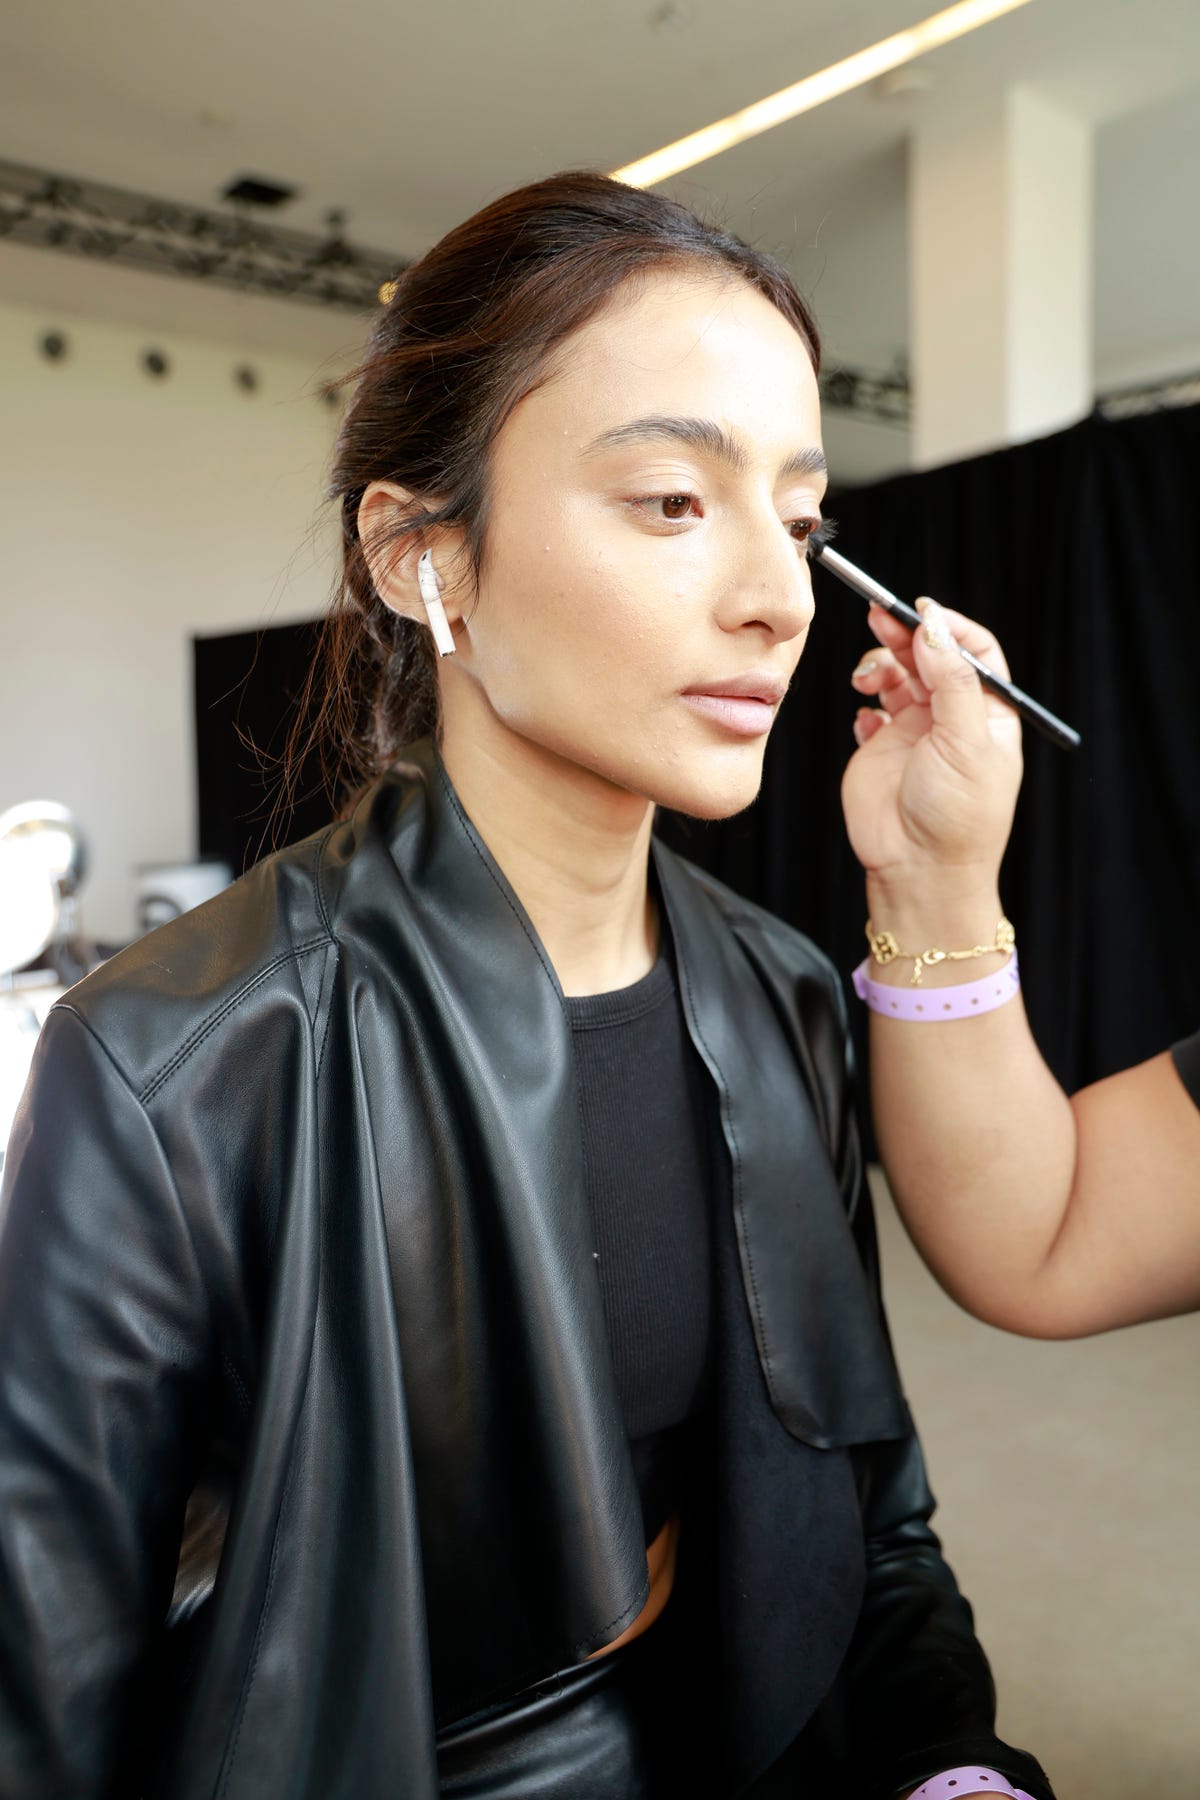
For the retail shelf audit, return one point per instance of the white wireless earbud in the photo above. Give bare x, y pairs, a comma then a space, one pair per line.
430, 584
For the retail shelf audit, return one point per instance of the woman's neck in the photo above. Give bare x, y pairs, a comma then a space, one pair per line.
575, 850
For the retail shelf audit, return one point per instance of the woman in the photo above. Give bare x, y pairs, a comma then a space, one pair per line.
439, 1331
1018, 1197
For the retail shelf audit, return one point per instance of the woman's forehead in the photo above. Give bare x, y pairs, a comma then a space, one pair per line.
681, 345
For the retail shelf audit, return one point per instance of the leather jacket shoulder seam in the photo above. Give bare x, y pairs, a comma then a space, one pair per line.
66, 1005
318, 884
207, 1025
323, 1010
127, 1085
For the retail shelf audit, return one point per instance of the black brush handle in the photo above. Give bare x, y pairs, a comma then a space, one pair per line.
1038, 715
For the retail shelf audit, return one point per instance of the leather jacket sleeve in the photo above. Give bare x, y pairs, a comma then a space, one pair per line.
98, 1274
915, 1695
916, 1687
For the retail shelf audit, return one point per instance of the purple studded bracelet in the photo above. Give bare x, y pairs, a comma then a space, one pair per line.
957, 1784
928, 1005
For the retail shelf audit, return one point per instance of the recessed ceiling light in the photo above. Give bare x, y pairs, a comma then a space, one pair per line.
257, 190
814, 90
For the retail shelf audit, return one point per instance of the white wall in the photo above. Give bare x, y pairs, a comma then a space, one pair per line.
134, 513
852, 262
1147, 258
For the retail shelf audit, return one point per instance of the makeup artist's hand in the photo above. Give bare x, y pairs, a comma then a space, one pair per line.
930, 792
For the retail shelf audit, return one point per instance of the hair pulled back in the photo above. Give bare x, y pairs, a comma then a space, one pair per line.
470, 330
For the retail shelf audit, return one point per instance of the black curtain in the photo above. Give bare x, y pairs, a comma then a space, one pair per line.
1081, 552
247, 687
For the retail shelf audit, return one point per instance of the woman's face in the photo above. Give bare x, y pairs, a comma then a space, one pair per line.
645, 594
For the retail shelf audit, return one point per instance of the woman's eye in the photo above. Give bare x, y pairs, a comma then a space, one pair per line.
667, 509
803, 529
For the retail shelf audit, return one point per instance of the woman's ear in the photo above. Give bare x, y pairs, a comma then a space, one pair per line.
392, 559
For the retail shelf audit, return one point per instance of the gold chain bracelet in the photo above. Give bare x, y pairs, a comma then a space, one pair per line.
885, 949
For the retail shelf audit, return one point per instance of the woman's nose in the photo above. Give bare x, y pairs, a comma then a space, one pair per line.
773, 588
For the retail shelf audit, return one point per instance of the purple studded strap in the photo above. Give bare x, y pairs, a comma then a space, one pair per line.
957, 1784
930, 1005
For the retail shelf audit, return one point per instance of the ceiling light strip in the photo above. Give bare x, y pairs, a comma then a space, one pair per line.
814, 90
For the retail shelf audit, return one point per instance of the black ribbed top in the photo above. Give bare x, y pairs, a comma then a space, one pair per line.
648, 1190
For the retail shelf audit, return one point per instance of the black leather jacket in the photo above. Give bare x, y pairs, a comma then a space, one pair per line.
308, 1432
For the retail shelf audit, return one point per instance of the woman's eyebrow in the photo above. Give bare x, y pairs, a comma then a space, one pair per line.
705, 435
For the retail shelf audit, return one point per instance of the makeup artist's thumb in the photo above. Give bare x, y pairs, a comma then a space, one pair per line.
955, 693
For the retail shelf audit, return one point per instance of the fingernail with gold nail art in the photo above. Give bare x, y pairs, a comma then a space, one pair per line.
936, 626
867, 666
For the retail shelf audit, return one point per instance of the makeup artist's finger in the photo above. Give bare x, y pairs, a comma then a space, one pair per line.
893, 636
956, 695
868, 720
977, 639
882, 674
878, 672
910, 692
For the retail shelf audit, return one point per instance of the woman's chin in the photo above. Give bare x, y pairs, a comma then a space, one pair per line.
713, 795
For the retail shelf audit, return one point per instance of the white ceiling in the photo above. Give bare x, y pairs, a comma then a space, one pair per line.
411, 117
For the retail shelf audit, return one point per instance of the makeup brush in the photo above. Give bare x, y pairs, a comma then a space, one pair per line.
820, 551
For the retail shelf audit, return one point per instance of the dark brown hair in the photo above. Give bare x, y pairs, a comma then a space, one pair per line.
469, 331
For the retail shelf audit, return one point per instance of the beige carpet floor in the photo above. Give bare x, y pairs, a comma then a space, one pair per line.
1067, 1477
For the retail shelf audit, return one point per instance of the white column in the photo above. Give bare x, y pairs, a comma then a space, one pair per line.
1000, 270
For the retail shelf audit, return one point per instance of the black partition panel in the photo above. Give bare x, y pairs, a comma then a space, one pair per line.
248, 686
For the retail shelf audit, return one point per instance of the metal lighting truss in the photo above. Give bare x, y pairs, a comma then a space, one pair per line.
230, 249
1150, 396
885, 398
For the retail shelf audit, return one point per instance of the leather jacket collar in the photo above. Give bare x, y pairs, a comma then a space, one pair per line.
824, 1355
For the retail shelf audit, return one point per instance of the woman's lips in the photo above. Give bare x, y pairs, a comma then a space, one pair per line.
743, 714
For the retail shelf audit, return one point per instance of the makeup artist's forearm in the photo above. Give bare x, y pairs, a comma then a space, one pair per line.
977, 1138
978, 1142
1043, 1215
